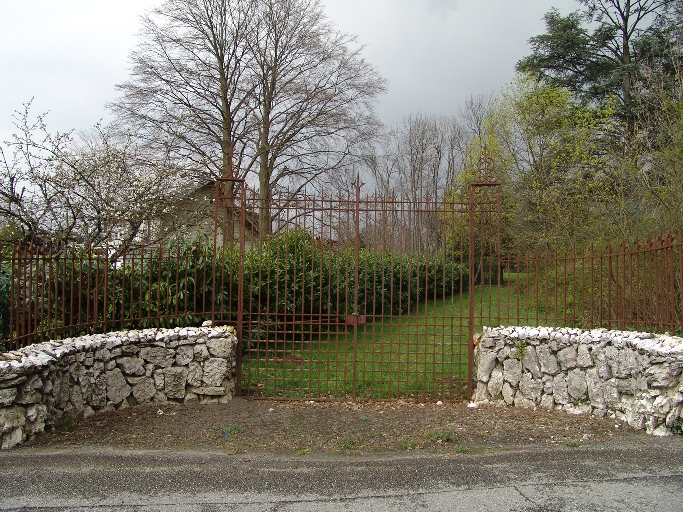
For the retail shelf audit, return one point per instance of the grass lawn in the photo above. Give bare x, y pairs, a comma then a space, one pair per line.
421, 355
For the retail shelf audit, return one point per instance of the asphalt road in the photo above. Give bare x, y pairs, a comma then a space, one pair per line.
633, 472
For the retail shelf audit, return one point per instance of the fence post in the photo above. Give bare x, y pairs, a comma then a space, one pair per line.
240, 289
470, 294
355, 287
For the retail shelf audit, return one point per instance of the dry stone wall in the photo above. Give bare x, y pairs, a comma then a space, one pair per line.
634, 377
44, 383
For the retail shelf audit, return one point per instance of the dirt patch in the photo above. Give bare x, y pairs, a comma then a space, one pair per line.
301, 428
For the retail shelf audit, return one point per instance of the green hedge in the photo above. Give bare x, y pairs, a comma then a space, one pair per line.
291, 274
301, 276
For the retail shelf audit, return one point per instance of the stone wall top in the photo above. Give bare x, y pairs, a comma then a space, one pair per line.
38, 356
663, 345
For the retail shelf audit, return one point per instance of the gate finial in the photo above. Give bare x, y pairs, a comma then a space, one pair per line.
486, 167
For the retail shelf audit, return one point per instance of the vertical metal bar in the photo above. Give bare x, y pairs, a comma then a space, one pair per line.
355, 286
186, 283
622, 291
574, 316
177, 285
61, 270
33, 309
583, 288
499, 249
591, 288
556, 284
680, 288
631, 250
401, 241
258, 315
26, 298
654, 285
72, 292
324, 321
278, 255
668, 259
657, 252
141, 286
132, 289
166, 317
659, 281
14, 299
240, 290
609, 285
648, 299
88, 298
49, 318
523, 297
124, 269
105, 284
343, 228
159, 260
96, 294
470, 323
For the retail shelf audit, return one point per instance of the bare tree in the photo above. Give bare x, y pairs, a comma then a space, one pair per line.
188, 93
422, 157
474, 114
418, 164
313, 96
268, 81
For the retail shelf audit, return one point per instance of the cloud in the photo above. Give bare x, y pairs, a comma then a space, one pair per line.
435, 53
443, 5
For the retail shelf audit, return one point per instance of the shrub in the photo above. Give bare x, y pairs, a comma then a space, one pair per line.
290, 274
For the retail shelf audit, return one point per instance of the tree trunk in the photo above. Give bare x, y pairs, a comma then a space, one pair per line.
227, 171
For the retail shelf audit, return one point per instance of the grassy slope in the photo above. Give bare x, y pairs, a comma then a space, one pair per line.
419, 355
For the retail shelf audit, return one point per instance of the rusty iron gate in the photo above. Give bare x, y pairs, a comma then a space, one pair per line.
358, 296
340, 297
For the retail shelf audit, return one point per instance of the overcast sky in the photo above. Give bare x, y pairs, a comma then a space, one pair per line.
69, 54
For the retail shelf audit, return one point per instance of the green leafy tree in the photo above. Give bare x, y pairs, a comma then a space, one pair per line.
556, 149
599, 51
548, 151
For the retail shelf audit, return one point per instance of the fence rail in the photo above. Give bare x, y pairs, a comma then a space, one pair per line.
630, 287
44, 296
76, 292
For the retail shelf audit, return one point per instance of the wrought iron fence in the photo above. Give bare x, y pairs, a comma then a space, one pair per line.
82, 291
344, 296
629, 287
328, 313
350, 296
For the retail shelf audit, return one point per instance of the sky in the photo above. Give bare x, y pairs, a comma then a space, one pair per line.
67, 55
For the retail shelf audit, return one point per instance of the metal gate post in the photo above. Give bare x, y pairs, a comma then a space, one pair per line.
470, 294
240, 291
356, 313
488, 181
230, 210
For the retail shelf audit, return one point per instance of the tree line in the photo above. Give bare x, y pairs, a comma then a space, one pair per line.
587, 139
267, 90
